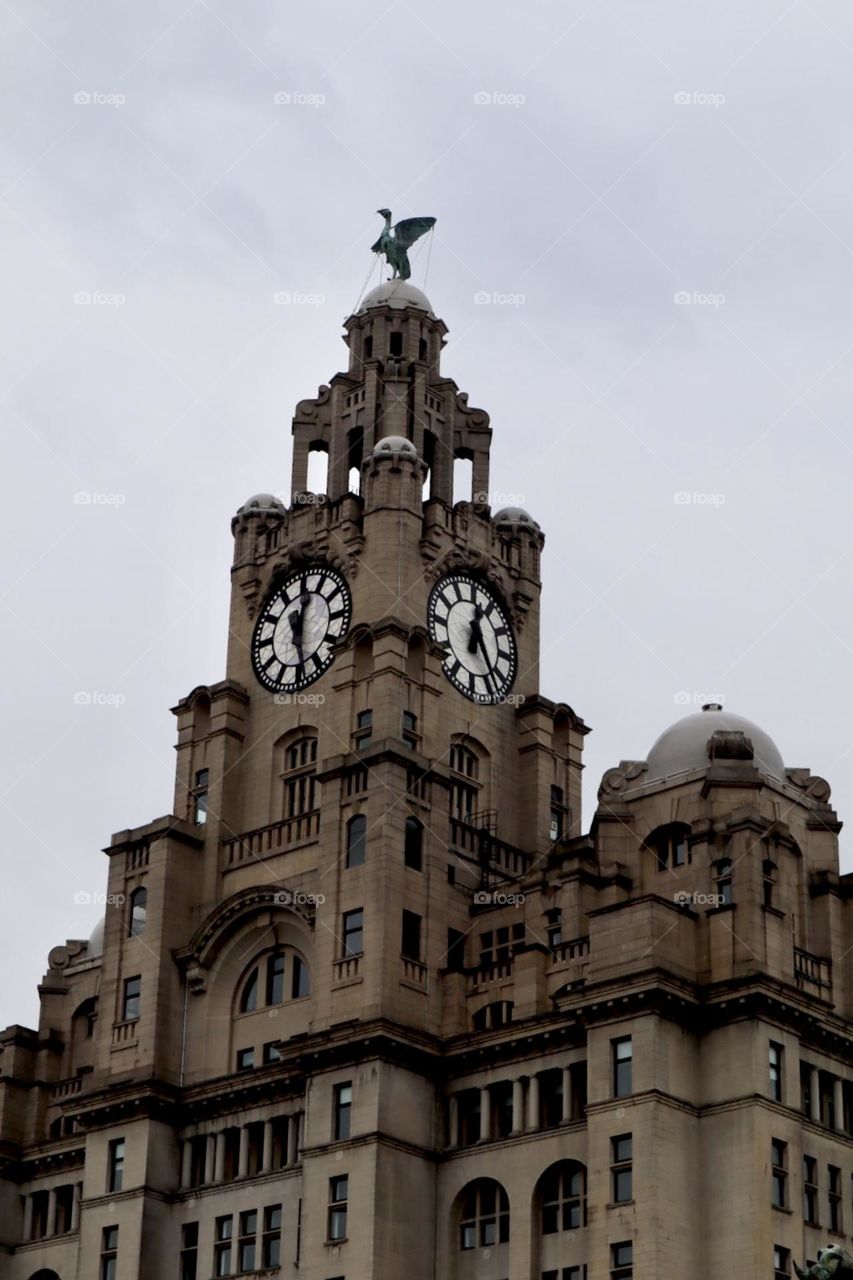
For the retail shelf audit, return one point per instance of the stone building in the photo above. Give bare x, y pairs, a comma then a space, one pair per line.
371, 1001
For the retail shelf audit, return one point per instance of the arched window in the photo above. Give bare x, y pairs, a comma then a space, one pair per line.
138, 908
83, 1019
356, 840
562, 1198
464, 783
669, 845
249, 995
414, 843
276, 977
299, 776
496, 1014
484, 1215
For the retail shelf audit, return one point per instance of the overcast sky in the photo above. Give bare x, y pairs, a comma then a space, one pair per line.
655, 198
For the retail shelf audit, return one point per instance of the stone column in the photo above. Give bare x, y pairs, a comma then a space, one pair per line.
186, 1162
814, 1095
28, 1217
219, 1162
76, 1197
533, 1103
243, 1161
518, 1106
485, 1114
838, 1102
210, 1158
567, 1094
293, 1138
266, 1160
51, 1212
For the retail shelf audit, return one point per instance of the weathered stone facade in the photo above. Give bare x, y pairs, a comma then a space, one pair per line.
538, 1052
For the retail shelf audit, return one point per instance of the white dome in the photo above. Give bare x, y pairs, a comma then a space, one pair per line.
684, 745
514, 515
397, 294
395, 444
95, 945
263, 502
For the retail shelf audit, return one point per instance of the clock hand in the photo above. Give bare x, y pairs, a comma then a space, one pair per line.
296, 620
476, 636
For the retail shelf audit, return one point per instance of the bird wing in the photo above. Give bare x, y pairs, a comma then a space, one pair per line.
411, 229
377, 248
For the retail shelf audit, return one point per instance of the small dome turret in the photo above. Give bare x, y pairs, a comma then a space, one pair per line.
395, 444
397, 294
685, 745
262, 504
514, 516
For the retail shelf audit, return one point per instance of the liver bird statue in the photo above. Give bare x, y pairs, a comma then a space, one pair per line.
833, 1263
395, 243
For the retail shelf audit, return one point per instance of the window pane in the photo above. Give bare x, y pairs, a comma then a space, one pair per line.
301, 982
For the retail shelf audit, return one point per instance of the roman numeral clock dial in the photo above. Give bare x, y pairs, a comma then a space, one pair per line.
468, 619
298, 627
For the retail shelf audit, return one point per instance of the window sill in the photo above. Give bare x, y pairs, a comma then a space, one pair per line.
781, 1208
620, 1204
333, 1244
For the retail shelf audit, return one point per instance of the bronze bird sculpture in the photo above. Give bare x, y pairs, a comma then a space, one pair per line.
395, 243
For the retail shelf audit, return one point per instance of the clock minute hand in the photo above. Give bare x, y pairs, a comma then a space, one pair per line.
475, 639
297, 620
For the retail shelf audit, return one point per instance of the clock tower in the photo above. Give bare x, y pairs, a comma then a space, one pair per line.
368, 1004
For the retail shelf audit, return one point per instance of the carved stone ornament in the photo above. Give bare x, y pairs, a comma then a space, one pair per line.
815, 788
622, 777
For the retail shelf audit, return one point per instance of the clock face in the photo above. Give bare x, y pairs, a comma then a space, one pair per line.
298, 628
469, 620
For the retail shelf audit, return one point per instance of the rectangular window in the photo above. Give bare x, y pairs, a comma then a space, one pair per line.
300, 983
245, 1059
411, 936
455, 951
775, 1056
338, 1196
826, 1097
781, 1263
271, 1053
131, 999
271, 1239
353, 932
342, 1110
64, 1208
778, 1174
623, 1062
834, 1177
811, 1213
246, 1247
109, 1253
39, 1212
621, 1154
115, 1165
806, 1087
202, 778
555, 829
363, 729
622, 1260
410, 727
223, 1236
189, 1251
